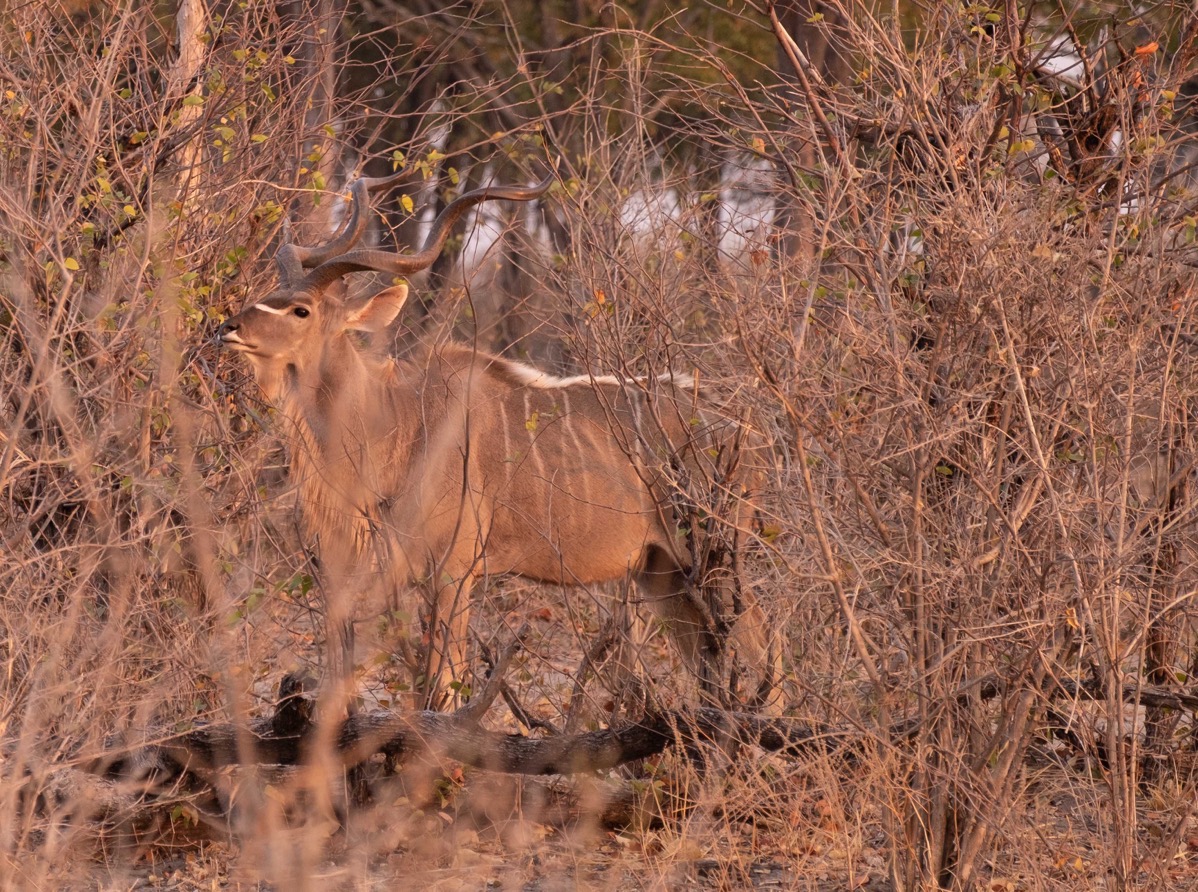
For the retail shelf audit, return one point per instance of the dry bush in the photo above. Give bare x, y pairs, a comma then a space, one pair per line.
140, 187
956, 301
986, 390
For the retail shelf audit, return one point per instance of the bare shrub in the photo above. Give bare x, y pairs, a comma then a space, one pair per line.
957, 293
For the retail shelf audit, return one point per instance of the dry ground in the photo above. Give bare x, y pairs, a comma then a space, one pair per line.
764, 822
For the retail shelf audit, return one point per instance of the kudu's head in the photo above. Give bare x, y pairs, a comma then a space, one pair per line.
299, 325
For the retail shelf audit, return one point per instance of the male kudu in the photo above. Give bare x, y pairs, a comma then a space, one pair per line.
453, 464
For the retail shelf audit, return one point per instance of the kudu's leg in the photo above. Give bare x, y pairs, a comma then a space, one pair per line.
758, 650
337, 586
341, 658
448, 627
665, 587
621, 673
715, 646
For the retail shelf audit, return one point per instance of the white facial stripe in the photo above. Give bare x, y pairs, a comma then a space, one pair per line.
274, 311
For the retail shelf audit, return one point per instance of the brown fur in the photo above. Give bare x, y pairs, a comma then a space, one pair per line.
452, 465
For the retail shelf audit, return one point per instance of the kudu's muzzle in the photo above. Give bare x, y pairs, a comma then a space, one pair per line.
227, 333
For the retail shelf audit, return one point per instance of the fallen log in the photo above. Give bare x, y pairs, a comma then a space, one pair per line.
287, 738
188, 764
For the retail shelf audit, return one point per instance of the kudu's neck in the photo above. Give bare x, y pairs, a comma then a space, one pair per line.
340, 398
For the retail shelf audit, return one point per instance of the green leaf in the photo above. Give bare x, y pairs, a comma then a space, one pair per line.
193, 100
71, 263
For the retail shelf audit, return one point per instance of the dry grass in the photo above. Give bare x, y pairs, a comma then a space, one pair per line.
970, 340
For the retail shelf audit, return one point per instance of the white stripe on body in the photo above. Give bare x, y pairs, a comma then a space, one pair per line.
572, 426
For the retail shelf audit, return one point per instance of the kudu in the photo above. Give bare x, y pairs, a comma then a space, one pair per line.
453, 464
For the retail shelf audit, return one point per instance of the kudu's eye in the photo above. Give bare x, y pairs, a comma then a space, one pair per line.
302, 312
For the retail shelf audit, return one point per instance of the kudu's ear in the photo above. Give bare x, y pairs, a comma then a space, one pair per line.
379, 311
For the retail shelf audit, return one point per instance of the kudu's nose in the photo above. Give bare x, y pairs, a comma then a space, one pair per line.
225, 328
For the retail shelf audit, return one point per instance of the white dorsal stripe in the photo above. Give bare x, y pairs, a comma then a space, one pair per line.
534, 377
275, 311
